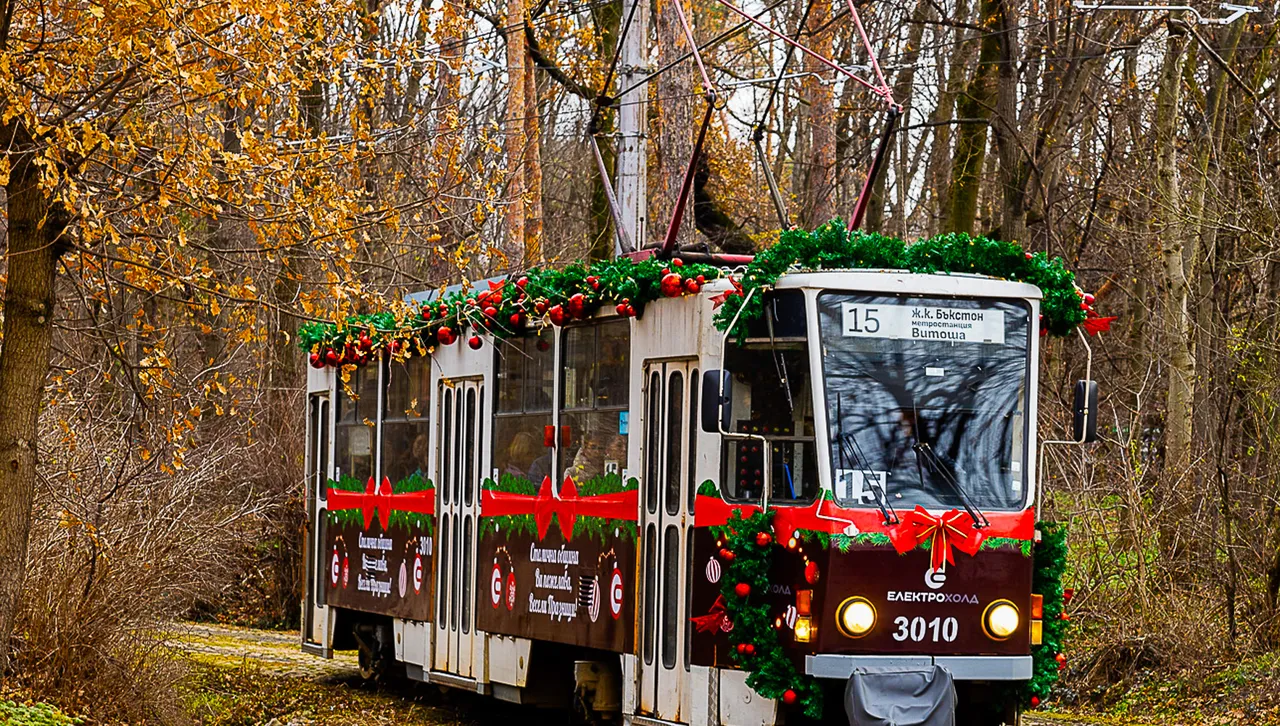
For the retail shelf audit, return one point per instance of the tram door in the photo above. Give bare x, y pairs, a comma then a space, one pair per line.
458, 467
670, 399
314, 613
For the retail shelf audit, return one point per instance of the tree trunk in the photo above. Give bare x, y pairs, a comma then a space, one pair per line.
1172, 233
940, 157
532, 168
675, 124
971, 138
1013, 167
609, 18
817, 202
515, 128
35, 243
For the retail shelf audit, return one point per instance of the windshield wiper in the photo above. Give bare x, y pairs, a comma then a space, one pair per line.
849, 444
936, 465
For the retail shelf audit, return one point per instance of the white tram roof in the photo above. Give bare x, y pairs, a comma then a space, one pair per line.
957, 284
902, 282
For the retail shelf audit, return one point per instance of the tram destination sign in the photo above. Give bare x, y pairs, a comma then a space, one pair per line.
922, 322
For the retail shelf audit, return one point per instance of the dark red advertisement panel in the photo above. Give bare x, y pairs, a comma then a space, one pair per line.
379, 544
559, 567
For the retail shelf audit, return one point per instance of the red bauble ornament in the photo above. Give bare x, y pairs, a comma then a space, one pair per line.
763, 539
677, 262
671, 285
472, 302
631, 312
1028, 255
702, 279
491, 311
789, 696
593, 281
692, 287
727, 555
317, 361
522, 282
475, 342
332, 358
811, 573
1035, 702
1089, 298
365, 344
445, 335
741, 647
622, 309
558, 315
742, 589
426, 313
517, 320
749, 649
540, 307
577, 305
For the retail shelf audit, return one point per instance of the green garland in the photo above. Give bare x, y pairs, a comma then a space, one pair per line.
771, 672
833, 247
1050, 564
554, 295
576, 291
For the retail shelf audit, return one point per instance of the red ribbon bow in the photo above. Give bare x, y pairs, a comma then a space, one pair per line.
718, 300
953, 529
378, 499
566, 508
713, 620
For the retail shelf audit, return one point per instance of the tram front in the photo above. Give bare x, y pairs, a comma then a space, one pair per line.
900, 421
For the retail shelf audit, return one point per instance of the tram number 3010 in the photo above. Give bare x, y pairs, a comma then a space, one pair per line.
918, 629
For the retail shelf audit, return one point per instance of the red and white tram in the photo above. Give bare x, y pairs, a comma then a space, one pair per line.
543, 518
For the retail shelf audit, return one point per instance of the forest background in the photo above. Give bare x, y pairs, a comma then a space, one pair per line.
186, 182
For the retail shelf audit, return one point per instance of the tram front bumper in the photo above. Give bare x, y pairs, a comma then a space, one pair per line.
962, 667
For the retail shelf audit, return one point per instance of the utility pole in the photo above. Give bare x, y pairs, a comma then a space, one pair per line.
633, 125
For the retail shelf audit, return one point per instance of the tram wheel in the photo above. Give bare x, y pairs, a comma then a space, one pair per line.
374, 654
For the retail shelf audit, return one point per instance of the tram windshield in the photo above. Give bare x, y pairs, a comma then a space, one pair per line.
926, 400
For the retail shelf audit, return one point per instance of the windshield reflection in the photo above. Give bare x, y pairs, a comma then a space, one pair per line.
928, 397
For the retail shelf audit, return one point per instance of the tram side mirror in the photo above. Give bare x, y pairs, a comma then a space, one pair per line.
1085, 429
717, 392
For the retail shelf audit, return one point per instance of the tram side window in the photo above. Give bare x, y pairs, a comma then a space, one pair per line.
597, 381
772, 397
522, 411
353, 435
405, 425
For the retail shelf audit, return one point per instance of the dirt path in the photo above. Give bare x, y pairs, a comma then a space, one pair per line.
246, 677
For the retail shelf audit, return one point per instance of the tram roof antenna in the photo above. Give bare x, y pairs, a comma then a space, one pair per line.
1236, 11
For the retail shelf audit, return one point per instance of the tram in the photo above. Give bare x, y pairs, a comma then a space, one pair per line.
545, 516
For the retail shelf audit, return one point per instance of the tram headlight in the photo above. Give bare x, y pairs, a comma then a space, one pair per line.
1001, 620
856, 616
